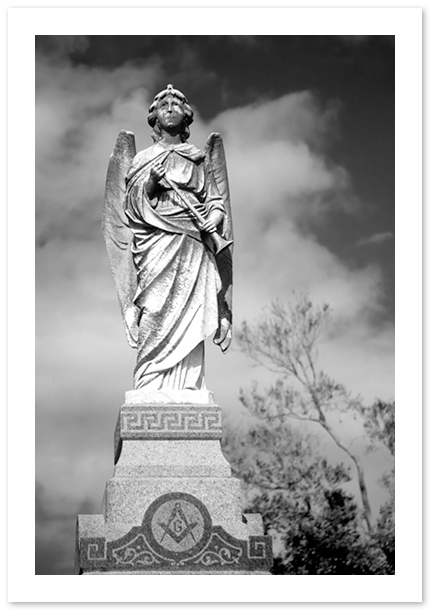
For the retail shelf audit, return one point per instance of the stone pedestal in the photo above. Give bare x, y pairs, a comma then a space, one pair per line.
172, 506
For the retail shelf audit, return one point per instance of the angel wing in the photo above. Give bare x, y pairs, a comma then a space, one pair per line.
216, 166
117, 233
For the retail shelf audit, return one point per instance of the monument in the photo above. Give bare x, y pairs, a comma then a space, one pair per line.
172, 506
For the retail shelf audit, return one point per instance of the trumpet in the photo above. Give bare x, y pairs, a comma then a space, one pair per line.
219, 243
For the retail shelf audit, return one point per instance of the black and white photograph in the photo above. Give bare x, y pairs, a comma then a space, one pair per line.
215, 305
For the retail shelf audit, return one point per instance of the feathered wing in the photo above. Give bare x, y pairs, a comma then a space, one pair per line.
116, 231
216, 166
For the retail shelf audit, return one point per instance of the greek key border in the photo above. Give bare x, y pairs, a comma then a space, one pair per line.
168, 422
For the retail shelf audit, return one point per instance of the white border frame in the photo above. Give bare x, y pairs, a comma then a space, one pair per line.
405, 24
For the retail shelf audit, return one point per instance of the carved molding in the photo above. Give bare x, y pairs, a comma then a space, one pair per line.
176, 534
181, 421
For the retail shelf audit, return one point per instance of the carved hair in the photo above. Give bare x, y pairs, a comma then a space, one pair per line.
152, 113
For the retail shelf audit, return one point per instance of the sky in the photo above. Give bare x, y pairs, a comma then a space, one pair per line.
308, 128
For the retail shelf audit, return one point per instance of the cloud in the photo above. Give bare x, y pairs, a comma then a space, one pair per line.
79, 112
55, 531
60, 47
281, 175
375, 239
293, 118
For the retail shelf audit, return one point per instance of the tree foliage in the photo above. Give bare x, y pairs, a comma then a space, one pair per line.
331, 542
280, 464
300, 494
277, 456
380, 427
379, 421
285, 341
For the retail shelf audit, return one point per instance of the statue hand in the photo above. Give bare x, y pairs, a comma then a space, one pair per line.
131, 326
212, 221
157, 173
223, 335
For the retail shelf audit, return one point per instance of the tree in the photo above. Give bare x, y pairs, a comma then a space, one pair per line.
385, 532
331, 542
285, 342
289, 483
300, 494
380, 427
314, 523
282, 467
379, 421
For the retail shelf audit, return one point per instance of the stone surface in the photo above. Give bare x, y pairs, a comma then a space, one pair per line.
175, 573
174, 278
177, 534
162, 481
169, 458
172, 505
161, 421
169, 397
127, 499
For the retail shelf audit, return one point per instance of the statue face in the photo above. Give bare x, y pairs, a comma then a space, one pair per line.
170, 113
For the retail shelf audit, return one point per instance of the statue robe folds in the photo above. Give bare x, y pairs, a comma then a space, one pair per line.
178, 282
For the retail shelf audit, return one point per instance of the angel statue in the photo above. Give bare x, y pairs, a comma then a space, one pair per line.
168, 231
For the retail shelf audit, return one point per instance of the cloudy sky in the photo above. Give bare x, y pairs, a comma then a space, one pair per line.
308, 128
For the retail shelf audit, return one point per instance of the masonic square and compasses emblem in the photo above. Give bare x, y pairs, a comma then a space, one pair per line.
177, 534
178, 524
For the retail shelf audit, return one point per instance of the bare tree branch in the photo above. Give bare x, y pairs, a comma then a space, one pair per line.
284, 341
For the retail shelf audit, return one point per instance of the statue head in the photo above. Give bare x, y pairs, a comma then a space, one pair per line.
178, 96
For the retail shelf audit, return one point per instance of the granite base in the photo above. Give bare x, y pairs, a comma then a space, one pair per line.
172, 506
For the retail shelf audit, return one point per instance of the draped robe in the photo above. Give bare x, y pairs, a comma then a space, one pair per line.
177, 276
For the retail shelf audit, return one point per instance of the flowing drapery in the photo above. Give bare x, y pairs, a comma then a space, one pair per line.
177, 276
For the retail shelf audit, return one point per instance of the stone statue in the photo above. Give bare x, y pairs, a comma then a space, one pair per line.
168, 230
172, 505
